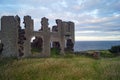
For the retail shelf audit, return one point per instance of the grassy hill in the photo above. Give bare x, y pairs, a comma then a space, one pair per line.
74, 68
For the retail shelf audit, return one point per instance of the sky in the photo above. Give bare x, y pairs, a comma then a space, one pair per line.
95, 20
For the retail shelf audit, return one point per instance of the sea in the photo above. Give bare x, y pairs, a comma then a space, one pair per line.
94, 45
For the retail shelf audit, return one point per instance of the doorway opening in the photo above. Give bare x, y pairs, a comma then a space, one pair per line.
55, 48
36, 45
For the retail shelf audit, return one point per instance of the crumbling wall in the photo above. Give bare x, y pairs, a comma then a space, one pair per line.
9, 36
28, 24
46, 37
21, 37
16, 41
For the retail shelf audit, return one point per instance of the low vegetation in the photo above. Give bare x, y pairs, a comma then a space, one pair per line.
106, 54
102, 53
68, 67
86, 65
115, 50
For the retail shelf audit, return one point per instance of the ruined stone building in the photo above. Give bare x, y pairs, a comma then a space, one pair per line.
16, 42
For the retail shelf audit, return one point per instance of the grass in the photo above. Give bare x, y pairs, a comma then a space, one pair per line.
73, 68
35, 50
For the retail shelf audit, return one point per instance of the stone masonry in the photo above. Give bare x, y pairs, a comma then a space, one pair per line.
16, 42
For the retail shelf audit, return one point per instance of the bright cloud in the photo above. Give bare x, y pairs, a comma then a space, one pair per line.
97, 38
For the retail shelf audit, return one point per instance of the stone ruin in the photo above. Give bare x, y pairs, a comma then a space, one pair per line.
16, 42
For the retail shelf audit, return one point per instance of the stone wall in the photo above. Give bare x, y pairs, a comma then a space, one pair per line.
10, 35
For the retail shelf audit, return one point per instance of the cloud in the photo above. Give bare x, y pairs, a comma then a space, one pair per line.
92, 18
97, 38
97, 33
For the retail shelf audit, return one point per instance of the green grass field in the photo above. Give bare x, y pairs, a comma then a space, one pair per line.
74, 68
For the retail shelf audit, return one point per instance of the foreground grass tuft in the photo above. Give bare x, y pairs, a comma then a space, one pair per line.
74, 68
